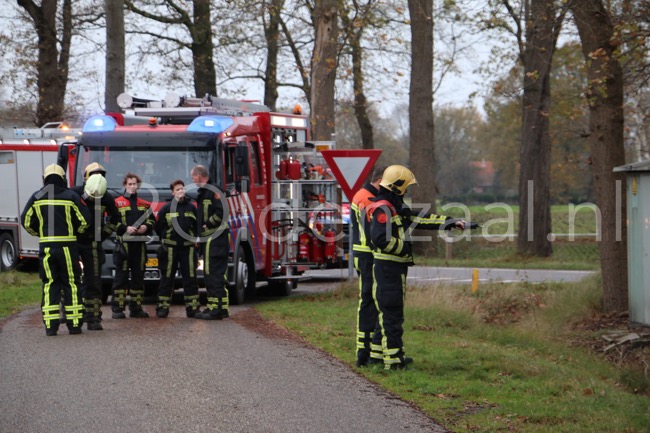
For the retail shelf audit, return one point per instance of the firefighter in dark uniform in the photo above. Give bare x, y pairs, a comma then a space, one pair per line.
137, 221
215, 244
368, 338
390, 217
104, 219
176, 227
55, 214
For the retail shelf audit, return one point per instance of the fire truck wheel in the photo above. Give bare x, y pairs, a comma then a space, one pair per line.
285, 287
244, 279
8, 252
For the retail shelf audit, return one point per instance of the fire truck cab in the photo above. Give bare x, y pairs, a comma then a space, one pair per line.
262, 161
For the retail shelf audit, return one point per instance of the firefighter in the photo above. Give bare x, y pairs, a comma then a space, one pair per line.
214, 242
389, 218
104, 219
55, 214
130, 254
368, 340
176, 227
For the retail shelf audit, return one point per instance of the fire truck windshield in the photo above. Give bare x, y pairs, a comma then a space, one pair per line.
156, 167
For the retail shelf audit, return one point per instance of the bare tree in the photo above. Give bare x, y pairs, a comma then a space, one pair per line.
606, 136
52, 63
272, 33
115, 53
421, 102
324, 63
542, 30
198, 26
355, 17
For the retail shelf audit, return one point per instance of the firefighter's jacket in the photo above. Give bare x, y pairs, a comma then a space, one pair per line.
391, 221
104, 217
55, 214
212, 217
360, 224
177, 223
133, 212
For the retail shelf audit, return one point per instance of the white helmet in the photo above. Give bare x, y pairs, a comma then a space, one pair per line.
95, 186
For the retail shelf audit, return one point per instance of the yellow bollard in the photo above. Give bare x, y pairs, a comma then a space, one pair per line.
474, 280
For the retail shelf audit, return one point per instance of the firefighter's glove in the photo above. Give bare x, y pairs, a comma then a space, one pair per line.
451, 223
120, 249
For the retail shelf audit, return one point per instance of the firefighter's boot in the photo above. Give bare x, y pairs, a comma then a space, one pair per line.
363, 348
119, 302
362, 357
162, 312
94, 325
397, 362
93, 314
135, 306
137, 311
192, 305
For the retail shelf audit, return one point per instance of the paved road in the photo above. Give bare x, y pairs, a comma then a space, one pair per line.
183, 375
425, 274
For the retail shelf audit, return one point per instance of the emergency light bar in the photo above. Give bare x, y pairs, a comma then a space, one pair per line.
287, 121
100, 123
212, 124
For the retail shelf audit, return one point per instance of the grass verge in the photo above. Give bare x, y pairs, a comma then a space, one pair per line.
502, 359
18, 290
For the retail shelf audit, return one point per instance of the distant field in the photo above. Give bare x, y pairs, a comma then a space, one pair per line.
494, 244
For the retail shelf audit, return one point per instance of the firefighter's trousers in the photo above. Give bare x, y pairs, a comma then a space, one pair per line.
92, 257
390, 283
170, 259
133, 258
60, 272
368, 330
215, 267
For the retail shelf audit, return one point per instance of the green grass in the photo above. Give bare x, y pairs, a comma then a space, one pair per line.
18, 290
574, 246
498, 360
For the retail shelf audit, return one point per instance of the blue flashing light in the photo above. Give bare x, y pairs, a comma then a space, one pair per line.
213, 124
100, 123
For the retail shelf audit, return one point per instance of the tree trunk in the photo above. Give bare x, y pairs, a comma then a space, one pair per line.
52, 66
323, 74
272, 35
354, 36
535, 151
115, 53
606, 137
421, 109
205, 76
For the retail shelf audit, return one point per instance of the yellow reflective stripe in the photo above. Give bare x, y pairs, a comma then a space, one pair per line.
47, 308
76, 307
392, 258
432, 219
191, 261
361, 248
58, 239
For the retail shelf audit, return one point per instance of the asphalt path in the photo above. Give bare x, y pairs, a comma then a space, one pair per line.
188, 375
432, 274
184, 375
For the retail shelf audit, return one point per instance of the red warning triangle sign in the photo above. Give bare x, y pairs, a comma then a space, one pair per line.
351, 168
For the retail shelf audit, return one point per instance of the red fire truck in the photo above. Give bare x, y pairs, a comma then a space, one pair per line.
278, 189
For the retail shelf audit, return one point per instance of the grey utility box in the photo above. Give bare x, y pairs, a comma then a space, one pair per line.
638, 239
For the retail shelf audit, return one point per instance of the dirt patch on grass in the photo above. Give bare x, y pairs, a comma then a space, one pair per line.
252, 320
614, 338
